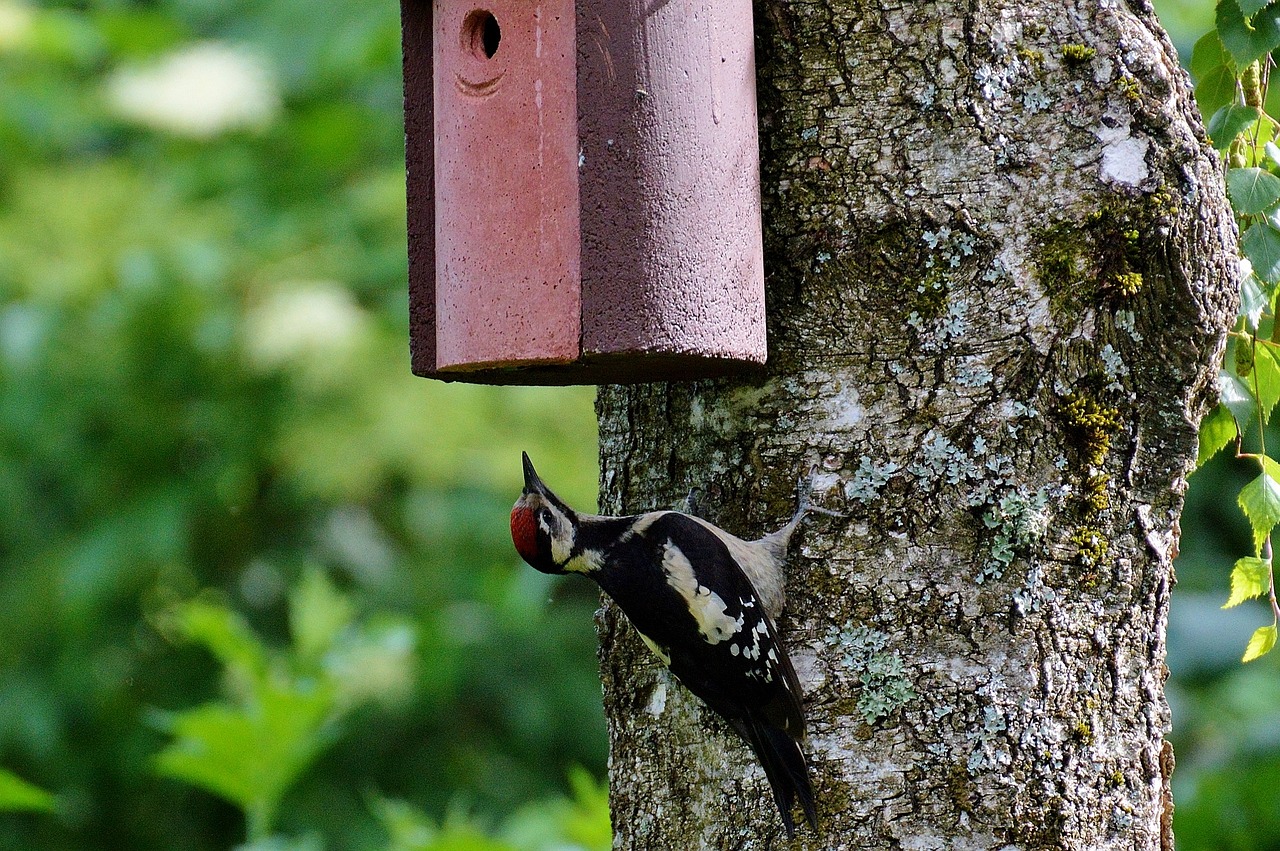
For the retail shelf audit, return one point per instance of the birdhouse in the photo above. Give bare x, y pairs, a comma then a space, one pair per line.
583, 187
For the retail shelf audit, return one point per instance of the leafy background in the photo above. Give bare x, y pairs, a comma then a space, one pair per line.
256, 580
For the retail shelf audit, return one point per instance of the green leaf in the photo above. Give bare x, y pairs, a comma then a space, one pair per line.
1260, 502
1267, 323
1261, 244
407, 826
1251, 7
1216, 431
1229, 122
318, 612
1215, 90
1250, 578
1266, 379
1260, 644
1209, 55
1250, 40
588, 823
226, 635
17, 795
1252, 190
250, 755
1254, 300
1273, 153
1237, 396
1214, 72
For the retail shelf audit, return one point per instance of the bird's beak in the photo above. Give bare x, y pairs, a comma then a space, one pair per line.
532, 484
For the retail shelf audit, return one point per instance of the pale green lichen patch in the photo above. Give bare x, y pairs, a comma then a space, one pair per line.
883, 685
869, 479
1017, 523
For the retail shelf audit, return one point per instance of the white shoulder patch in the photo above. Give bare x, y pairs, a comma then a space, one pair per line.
642, 524
706, 606
758, 562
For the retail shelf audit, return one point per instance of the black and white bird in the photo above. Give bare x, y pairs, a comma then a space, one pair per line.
704, 601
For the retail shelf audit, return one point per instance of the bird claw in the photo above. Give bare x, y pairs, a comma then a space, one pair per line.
804, 488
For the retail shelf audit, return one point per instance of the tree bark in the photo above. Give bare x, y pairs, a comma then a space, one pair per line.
1000, 269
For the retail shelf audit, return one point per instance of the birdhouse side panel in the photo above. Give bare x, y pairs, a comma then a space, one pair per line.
506, 162
419, 154
678, 130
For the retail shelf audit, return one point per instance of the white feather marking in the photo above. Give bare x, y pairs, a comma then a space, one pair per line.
706, 606
642, 524
562, 536
761, 563
657, 650
587, 561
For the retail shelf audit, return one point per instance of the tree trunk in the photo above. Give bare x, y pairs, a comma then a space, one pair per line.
1000, 269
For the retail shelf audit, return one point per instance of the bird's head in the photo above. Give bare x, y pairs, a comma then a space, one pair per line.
543, 528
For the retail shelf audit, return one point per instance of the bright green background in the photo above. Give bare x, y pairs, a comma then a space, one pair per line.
204, 394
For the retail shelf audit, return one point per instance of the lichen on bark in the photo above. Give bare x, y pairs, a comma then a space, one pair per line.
1000, 270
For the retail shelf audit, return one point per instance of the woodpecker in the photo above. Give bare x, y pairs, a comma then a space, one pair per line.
704, 601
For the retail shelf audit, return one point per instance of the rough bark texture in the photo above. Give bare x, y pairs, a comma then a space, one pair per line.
1000, 269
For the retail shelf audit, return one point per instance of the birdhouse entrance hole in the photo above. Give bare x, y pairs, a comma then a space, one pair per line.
481, 34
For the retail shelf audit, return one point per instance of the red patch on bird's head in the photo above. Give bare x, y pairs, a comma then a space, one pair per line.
524, 532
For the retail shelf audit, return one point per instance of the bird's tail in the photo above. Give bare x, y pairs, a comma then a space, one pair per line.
785, 767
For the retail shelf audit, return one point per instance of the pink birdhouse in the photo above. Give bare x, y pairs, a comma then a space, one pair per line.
583, 185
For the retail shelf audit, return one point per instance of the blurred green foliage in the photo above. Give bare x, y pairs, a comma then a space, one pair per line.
251, 750
205, 396
287, 706
17, 795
